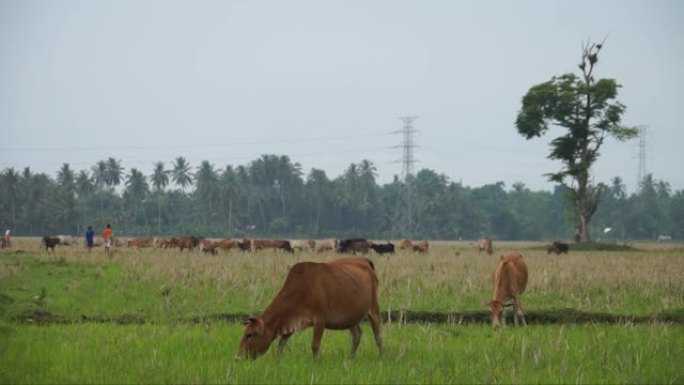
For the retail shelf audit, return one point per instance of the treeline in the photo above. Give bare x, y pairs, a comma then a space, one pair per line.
271, 197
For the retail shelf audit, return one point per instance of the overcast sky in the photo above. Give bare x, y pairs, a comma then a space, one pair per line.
325, 82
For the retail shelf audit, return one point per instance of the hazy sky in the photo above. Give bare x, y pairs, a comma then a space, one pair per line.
324, 82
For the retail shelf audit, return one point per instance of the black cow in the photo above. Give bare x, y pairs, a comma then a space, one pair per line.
383, 249
558, 247
352, 245
49, 243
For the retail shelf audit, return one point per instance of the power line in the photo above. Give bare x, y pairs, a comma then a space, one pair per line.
202, 145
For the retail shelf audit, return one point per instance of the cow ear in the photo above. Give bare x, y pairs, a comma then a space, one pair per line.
258, 322
261, 327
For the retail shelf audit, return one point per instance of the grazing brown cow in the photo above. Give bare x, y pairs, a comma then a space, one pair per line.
141, 242
510, 280
262, 244
167, 243
405, 244
421, 247
337, 294
187, 242
209, 247
226, 244
485, 245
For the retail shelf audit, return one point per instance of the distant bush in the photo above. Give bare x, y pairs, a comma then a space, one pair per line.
593, 246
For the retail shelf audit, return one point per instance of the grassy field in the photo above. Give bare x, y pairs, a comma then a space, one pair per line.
154, 316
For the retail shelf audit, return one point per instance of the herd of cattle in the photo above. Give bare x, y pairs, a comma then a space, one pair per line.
351, 245
337, 294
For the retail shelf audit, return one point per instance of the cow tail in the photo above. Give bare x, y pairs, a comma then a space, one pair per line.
370, 263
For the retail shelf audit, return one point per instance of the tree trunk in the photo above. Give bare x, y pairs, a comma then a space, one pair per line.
230, 217
158, 216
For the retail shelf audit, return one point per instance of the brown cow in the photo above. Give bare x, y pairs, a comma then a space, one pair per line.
188, 242
421, 247
209, 247
140, 242
226, 244
337, 294
405, 244
485, 245
510, 280
262, 244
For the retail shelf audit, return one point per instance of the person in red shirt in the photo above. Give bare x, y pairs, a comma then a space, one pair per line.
108, 238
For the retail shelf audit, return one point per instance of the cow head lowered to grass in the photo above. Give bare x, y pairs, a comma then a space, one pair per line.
336, 294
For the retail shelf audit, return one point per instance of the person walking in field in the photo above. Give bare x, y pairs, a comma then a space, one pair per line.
90, 235
108, 238
6, 239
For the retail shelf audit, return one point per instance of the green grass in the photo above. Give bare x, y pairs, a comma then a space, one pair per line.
75, 317
105, 353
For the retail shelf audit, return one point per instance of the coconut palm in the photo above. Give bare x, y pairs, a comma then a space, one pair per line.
114, 172
159, 179
84, 184
66, 178
136, 189
207, 188
230, 192
180, 174
100, 173
10, 183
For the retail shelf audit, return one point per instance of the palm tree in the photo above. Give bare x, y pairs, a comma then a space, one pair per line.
159, 179
10, 183
230, 191
319, 182
100, 174
663, 190
207, 187
84, 184
136, 189
113, 172
287, 173
66, 179
618, 188
180, 174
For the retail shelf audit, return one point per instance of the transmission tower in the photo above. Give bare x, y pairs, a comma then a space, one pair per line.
403, 216
641, 171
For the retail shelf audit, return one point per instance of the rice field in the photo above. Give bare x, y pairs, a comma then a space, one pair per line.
153, 316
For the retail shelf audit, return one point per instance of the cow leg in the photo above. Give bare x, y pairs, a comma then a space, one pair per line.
518, 311
356, 338
318, 328
374, 317
282, 342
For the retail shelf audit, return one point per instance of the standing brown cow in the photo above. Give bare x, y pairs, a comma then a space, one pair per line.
336, 294
262, 244
510, 280
421, 247
485, 245
405, 244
